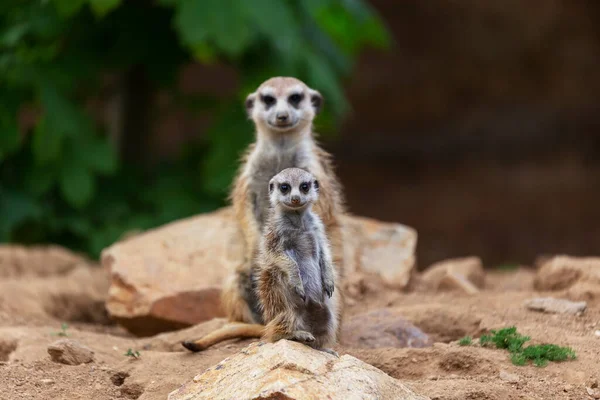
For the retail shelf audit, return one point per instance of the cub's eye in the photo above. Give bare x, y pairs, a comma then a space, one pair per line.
268, 100
284, 188
295, 98
305, 187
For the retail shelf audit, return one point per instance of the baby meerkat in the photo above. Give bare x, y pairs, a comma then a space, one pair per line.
296, 278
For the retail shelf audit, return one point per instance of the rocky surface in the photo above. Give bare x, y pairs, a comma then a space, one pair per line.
170, 277
70, 352
463, 274
37, 261
556, 306
290, 370
76, 295
382, 328
444, 370
564, 272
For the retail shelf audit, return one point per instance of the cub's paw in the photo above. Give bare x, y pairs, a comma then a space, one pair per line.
303, 336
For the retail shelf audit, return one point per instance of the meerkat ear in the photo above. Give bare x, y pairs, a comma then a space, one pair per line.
271, 186
250, 103
316, 184
316, 100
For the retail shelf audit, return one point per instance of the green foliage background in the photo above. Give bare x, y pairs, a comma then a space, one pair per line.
63, 182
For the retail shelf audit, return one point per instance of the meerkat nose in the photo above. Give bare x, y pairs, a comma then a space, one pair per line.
295, 199
282, 116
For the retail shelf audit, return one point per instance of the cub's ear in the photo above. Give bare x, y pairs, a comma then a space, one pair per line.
250, 103
316, 100
271, 187
316, 184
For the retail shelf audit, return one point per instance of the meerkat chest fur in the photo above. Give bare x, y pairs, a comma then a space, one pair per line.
299, 239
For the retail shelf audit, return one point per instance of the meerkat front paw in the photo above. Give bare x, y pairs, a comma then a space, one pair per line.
302, 336
328, 287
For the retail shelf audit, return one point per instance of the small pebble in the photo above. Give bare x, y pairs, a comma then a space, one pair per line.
593, 393
508, 377
47, 381
597, 333
568, 388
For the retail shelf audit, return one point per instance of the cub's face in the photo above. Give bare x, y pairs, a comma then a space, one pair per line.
293, 189
283, 105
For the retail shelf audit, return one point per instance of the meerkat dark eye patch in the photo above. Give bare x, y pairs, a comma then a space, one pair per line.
268, 100
305, 187
284, 188
295, 99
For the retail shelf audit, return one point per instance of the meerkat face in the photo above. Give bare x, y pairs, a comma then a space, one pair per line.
293, 189
283, 105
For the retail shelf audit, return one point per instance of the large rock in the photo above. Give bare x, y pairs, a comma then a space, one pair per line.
18, 261
463, 274
385, 327
170, 277
70, 352
555, 306
78, 295
386, 249
563, 272
290, 370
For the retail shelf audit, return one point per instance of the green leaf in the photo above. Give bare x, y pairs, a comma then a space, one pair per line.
13, 35
103, 7
38, 180
10, 138
275, 20
99, 155
215, 21
67, 8
77, 186
15, 208
46, 144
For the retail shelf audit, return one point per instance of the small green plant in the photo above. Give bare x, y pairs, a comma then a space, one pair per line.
540, 355
132, 353
63, 330
466, 341
506, 338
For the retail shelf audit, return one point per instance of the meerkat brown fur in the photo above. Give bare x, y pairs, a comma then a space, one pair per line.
296, 278
282, 110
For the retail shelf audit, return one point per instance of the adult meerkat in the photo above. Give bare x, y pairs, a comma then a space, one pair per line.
295, 275
282, 110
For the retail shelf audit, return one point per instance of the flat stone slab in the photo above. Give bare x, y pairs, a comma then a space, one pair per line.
292, 371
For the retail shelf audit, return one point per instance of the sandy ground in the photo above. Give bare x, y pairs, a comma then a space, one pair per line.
32, 310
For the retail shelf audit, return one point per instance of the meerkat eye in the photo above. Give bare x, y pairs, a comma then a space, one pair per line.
284, 188
268, 100
305, 187
295, 98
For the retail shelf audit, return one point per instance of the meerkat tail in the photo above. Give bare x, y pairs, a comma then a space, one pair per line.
229, 331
